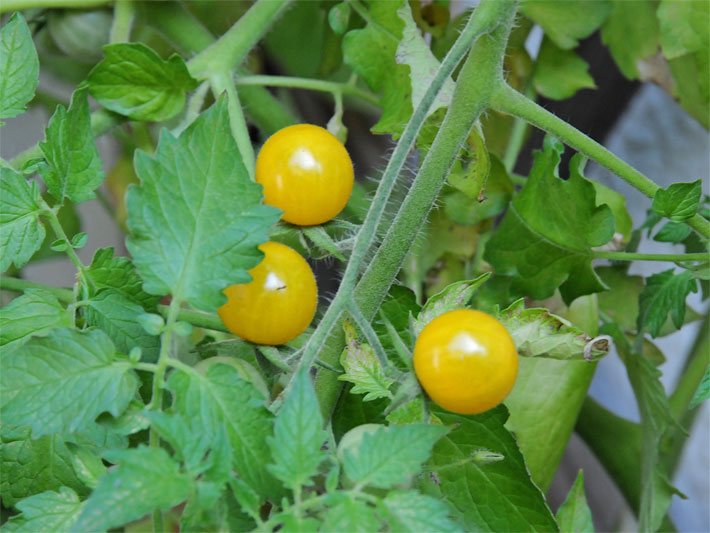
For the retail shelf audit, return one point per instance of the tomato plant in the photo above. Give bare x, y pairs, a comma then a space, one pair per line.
190, 378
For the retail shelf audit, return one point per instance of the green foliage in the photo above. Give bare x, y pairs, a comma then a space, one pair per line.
35, 313
574, 514
665, 294
567, 22
362, 368
679, 201
48, 511
19, 67
631, 33
134, 81
560, 73
703, 392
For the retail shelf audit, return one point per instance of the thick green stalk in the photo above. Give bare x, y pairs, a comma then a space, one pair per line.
21, 285
7, 6
485, 17
508, 100
123, 15
231, 49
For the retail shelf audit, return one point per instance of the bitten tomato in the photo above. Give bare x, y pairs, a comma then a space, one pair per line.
278, 303
466, 361
306, 172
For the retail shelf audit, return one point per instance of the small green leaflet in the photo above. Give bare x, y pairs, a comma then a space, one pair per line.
703, 392
48, 511
145, 479
62, 382
559, 73
413, 512
574, 515
31, 466
298, 435
362, 368
631, 34
134, 81
539, 333
454, 296
196, 220
373, 464
19, 67
679, 201
351, 515
675, 232
35, 313
546, 249
567, 22
73, 164
119, 274
665, 294
87, 465
21, 231
617, 203
496, 497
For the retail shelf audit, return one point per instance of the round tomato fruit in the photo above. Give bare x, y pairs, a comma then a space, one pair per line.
466, 361
306, 172
278, 303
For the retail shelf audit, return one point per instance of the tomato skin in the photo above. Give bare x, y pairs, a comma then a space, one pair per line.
306, 172
278, 303
466, 361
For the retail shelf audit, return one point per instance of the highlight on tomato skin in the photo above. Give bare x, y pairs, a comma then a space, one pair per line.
306, 172
278, 304
466, 361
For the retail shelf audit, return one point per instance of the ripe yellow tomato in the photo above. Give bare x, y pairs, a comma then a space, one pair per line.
466, 361
306, 172
278, 303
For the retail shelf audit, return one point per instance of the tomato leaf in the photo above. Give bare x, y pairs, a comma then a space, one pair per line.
144, 480
62, 382
496, 497
48, 511
665, 294
679, 202
134, 81
362, 368
567, 22
413, 512
703, 391
196, 219
19, 67
373, 463
35, 313
574, 514
351, 515
21, 231
298, 435
559, 73
631, 33
546, 249
73, 163
119, 275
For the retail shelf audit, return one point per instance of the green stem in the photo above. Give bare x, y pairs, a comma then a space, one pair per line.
123, 15
21, 285
231, 49
309, 84
508, 100
7, 6
222, 82
630, 256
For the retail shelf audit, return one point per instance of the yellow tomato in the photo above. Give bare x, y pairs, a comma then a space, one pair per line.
306, 172
278, 303
466, 361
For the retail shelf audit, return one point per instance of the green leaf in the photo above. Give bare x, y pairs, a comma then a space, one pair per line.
373, 462
62, 382
134, 81
679, 201
413, 512
362, 368
298, 435
222, 399
621, 302
631, 34
119, 274
574, 514
617, 203
48, 511
665, 294
19, 67
351, 515
546, 249
73, 163
371, 53
703, 392
31, 466
567, 22
35, 313
683, 27
398, 308
339, 18
496, 497
21, 231
319, 236
675, 232
144, 480
118, 316
539, 333
197, 219
454, 296
694, 97
559, 73
87, 464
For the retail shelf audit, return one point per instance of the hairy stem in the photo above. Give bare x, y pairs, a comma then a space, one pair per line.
631, 256
309, 84
508, 100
